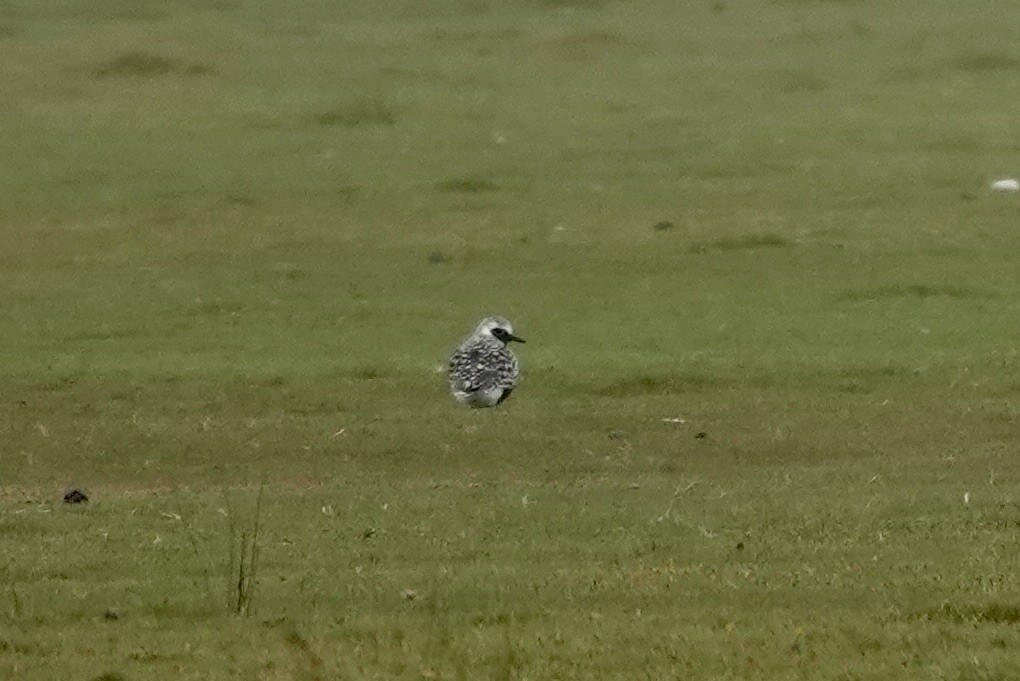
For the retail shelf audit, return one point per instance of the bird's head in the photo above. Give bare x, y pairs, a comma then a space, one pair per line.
498, 328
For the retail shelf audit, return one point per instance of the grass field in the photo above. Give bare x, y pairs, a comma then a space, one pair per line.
240, 238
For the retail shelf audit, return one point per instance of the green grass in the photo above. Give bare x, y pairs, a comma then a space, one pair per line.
240, 240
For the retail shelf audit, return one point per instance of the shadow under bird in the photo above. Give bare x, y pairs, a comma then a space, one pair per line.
483, 370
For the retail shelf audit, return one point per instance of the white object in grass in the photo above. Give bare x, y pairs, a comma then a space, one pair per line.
1006, 184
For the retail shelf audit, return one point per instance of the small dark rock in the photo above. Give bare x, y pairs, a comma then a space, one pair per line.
663, 226
701, 436
111, 615
615, 435
75, 496
437, 257
368, 533
740, 546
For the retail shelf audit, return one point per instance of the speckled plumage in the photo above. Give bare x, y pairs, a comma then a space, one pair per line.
483, 370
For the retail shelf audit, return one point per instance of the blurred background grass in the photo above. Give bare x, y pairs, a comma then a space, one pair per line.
241, 238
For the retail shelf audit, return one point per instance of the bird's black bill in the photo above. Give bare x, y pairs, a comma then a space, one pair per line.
511, 337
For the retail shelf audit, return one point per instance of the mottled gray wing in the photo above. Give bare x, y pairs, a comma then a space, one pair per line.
479, 366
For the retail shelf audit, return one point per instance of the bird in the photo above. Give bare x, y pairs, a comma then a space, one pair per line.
483, 370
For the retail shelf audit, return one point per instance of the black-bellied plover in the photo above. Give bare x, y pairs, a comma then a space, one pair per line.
483, 371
